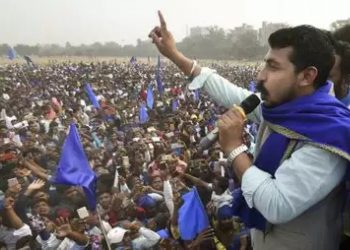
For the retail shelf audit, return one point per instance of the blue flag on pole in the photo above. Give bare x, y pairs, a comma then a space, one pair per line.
192, 218
92, 96
196, 95
160, 86
74, 168
143, 114
175, 105
11, 53
150, 99
252, 86
133, 60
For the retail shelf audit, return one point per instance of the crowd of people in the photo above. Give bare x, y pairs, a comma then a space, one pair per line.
142, 168
279, 188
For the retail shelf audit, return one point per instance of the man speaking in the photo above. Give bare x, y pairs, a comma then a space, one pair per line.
291, 194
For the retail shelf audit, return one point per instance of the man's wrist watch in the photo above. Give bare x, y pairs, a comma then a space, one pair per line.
234, 153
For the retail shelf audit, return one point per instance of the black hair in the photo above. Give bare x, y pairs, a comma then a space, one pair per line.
342, 49
312, 47
222, 183
162, 220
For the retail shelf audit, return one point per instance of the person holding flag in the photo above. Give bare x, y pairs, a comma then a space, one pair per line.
74, 168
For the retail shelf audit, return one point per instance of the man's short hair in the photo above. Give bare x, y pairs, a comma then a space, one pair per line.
342, 49
312, 47
223, 183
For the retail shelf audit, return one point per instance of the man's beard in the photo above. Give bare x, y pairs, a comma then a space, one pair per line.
288, 95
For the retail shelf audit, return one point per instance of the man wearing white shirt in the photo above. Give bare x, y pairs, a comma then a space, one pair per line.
291, 193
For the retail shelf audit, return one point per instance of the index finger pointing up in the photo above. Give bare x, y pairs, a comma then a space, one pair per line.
162, 21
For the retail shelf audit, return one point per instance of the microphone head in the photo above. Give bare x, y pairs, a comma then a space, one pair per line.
250, 103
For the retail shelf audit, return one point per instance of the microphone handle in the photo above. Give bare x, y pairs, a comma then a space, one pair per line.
208, 140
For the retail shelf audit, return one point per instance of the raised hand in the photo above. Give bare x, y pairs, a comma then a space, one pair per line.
36, 185
163, 39
9, 202
207, 234
63, 227
166, 45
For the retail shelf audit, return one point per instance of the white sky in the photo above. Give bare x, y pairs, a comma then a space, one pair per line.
123, 21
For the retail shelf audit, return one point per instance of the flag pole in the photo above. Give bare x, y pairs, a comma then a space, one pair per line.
25, 78
103, 227
13, 56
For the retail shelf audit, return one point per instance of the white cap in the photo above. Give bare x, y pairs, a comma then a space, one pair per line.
6, 96
116, 235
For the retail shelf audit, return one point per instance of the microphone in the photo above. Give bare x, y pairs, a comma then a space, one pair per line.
246, 107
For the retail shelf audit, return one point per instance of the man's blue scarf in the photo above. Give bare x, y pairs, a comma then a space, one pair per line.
319, 119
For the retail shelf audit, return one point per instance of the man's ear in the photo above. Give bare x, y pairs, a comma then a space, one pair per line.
308, 76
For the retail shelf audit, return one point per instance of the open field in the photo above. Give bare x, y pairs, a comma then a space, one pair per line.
76, 59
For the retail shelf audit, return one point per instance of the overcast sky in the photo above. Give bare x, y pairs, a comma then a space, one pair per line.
123, 21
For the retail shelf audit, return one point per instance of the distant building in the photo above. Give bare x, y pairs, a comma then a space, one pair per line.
239, 31
267, 29
262, 34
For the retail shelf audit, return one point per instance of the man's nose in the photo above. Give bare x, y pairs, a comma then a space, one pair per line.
261, 77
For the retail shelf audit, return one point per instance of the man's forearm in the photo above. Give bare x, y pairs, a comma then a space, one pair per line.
185, 64
14, 219
196, 181
41, 175
38, 166
36, 171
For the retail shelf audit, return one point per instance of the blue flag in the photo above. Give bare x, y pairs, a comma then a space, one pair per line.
252, 86
11, 53
143, 114
163, 233
192, 218
74, 168
175, 105
196, 95
160, 86
150, 99
92, 96
133, 60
